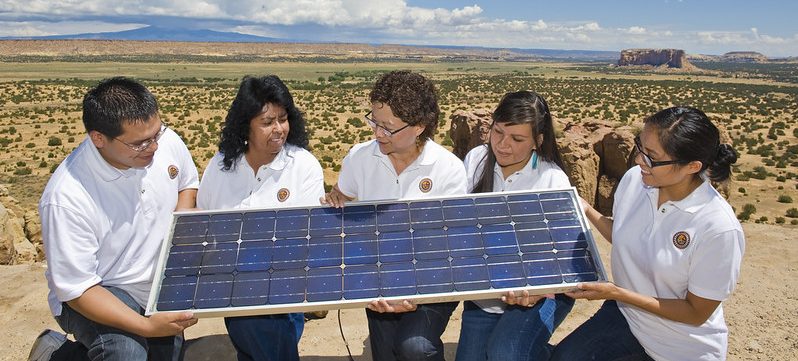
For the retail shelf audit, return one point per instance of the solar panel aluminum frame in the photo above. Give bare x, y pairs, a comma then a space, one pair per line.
305, 306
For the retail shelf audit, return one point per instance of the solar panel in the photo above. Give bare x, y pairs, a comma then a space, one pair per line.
476, 246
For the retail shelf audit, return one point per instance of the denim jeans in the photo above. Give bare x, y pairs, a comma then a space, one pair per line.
112, 344
266, 338
409, 336
520, 333
604, 337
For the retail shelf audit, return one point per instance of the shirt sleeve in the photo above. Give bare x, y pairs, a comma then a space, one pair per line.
715, 265
207, 185
313, 186
456, 181
189, 177
474, 163
71, 246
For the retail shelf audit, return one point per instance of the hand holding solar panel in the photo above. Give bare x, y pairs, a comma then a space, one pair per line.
478, 246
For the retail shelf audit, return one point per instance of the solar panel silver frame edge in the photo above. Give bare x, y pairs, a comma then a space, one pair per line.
361, 303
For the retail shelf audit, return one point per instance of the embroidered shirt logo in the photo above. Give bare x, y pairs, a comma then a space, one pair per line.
425, 185
681, 240
283, 194
173, 171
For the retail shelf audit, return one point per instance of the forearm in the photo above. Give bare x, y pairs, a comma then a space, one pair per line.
601, 223
186, 199
693, 310
101, 306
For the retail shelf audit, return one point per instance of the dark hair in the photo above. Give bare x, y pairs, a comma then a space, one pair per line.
252, 95
412, 99
521, 107
114, 101
688, 135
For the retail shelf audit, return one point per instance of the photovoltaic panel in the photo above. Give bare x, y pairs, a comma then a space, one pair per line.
477, 246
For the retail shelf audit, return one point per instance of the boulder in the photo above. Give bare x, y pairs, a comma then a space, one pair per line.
469, 129
14, 247
670, 58
33, 232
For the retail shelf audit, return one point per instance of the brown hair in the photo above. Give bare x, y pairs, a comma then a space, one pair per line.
412, 99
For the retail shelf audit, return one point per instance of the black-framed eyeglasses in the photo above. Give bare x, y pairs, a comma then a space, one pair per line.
385, 131
652, 163
140, 147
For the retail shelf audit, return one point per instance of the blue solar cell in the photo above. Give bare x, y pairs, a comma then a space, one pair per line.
324, 284
190, 229
397, 279
554, 195
430, 244
492, 210
542, 268
258, 225
291, 223
224, 227
499, 239
360, 249
470, 274
506, 271
393, 217
459, 212
360, 219
250, 289
184, 260
177, 293
577, 266
290, 253
214, 291
361, 281
434, 276
219, 258
525, 211
326, 221
255, 256
287, 286
465, 241
325, 251
533, 237
395, 246
426, 214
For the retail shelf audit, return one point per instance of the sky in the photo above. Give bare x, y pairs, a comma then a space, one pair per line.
697, 26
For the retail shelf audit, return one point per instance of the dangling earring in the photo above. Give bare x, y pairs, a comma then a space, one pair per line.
246, 142
534, 160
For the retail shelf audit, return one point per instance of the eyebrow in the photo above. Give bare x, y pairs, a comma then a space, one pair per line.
137, 141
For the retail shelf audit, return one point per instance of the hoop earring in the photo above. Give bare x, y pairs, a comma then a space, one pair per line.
534, 160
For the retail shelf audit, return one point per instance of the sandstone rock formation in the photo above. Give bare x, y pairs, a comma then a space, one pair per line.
469, 129
14, 246
671, 58
744, 57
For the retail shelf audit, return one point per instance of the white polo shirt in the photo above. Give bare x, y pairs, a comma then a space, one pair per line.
368, 175
695, 244
102, 225
547, 175
293, 178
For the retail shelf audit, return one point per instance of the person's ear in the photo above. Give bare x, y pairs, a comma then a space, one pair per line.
694, 166
539, 141
99, 139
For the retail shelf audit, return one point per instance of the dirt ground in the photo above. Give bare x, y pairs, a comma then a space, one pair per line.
762, 314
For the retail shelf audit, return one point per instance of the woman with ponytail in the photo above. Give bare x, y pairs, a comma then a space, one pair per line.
520, 155
676, 250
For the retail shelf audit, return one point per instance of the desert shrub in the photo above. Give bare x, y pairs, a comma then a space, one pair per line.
780, 220
741, 190
748, 210
30, 145
23, 171
785, 199
792, 213
54, 141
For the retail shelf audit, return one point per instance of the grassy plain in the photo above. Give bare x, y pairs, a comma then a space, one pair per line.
40, 110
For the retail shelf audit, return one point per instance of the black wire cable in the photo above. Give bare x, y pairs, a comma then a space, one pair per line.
346, 343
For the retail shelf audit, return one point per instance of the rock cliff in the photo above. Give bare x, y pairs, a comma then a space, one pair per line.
670, 58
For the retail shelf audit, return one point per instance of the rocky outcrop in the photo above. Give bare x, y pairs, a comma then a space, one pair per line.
469, 129
670, 58
14, 245
744, 57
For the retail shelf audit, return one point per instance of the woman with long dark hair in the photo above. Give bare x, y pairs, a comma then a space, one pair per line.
676, 250
521, 154
263, 162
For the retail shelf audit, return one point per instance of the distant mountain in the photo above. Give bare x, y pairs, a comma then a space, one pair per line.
169, 34
596, 55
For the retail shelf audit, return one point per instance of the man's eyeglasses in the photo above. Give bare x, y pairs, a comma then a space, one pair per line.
379, 128
652, 163
140, 147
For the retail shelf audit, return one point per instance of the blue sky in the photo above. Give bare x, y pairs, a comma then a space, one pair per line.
699, 27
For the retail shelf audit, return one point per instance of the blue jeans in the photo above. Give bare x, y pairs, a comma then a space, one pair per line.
112, 344
266, 338
604, 337
520, 333
409, 336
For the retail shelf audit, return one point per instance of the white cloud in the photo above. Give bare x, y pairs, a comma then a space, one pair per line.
636, 30
42, 28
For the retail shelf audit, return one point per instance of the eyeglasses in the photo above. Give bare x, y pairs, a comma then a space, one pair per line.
647, 159
385, 131
140, 147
